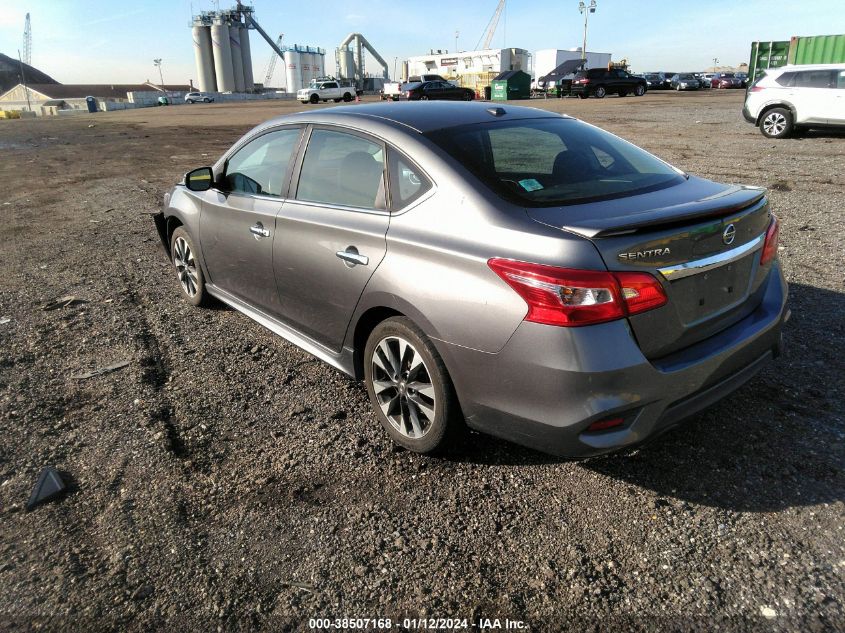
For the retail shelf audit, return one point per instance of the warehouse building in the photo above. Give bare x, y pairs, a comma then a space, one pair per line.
53, 99
471, 69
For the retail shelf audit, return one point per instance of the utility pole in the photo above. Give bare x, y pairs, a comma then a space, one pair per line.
715, 63
457, 34
157, 63
586, 10
23, 81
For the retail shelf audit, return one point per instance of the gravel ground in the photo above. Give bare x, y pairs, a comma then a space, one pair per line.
224, 479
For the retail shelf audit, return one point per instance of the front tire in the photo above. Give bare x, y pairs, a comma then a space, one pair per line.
409, 387
600, 92
206, 100
314, 99
777, 123
639, 91
190, 100
188, 270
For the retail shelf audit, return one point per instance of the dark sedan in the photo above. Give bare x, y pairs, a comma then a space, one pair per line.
436, 91
656, 81
725, 80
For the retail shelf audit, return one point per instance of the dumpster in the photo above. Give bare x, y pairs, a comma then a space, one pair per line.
91, 102
512, 84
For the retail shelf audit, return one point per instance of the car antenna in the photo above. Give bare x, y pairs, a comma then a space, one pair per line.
497, 111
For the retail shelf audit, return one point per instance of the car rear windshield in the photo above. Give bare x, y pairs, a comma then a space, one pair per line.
686, 76
554, 161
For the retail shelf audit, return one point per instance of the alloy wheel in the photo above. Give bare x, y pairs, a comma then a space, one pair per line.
403, 387
186, 268
774, 124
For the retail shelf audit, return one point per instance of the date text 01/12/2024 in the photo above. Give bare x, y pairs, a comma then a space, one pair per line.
433, 624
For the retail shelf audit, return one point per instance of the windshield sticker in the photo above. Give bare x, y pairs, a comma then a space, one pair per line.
529, 184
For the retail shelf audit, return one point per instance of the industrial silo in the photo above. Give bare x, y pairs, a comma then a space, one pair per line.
249, 80
237, 58
222, 56
294, 79
346, 63
320, 63
204, 58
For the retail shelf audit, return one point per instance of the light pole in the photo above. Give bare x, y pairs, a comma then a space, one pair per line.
157, 63
457, 33
395, 62
586, 10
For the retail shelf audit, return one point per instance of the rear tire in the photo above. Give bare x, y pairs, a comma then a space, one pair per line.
206, 100
600, 92
584, 95
347, 97
777, 123
468, 96
409, 387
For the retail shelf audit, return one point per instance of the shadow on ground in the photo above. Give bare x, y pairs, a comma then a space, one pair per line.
776, 443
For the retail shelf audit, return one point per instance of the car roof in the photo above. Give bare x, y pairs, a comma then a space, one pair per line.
421, 116
796, 67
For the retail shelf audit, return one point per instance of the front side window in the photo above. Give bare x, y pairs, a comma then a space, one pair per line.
342, 169
259, 167
554, 161
840, 79
814, 79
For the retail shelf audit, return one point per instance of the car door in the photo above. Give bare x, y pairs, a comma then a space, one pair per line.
434, 90
837, 114
238, 221
813, 95
331, 232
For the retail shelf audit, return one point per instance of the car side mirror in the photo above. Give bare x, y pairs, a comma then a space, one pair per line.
200, 179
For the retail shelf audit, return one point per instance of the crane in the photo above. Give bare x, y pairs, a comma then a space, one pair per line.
27, 42
271, 65
487, 38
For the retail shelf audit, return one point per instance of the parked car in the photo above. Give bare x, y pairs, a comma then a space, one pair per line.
582, 297
422, 78
685, 81
655, 81
193, 97
667, 79
725, 80
599, 82
436, 91
325, 91
743, 78
791, 98
705, 79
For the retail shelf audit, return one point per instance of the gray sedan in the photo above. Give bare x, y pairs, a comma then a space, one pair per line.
504, 268
685, 81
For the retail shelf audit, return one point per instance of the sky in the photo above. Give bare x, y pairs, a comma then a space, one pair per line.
88, 41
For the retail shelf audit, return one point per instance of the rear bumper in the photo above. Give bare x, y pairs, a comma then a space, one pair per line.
746, 114
549, 384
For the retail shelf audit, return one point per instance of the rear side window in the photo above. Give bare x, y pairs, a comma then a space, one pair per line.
342, 169
259, 167
814, 79
407, 181
551, 162
786, 79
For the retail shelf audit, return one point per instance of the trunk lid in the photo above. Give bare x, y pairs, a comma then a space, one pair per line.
702, 240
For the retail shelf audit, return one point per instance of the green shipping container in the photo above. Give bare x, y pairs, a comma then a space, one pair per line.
816, 49
766, 55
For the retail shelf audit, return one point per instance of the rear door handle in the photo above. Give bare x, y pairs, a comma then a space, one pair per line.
351, 256
259, 230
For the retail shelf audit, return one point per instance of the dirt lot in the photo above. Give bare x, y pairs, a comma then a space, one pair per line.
225, 479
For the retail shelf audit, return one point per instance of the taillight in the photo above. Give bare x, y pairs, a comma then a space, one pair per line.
603, 425
569, 297
756, 89
770, 246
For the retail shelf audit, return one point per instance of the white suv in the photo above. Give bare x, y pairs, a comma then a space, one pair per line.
790, 97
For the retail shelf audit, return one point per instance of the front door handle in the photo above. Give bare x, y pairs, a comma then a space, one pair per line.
352, 257
259, 230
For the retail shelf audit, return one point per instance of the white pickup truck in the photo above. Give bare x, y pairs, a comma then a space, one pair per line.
324, 91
